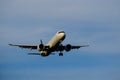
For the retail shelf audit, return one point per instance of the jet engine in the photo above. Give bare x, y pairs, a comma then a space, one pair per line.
40, 47
61, 48
68, 47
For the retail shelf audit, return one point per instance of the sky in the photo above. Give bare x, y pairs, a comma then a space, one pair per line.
93, 22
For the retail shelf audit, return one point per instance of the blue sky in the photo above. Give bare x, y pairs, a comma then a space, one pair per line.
93, 22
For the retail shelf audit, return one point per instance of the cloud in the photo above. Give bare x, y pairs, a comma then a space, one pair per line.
26, 34
67, 74
85, 21
105, 10
96, 22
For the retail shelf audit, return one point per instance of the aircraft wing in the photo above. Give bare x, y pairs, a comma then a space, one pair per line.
68, 47
25, 46
77, 47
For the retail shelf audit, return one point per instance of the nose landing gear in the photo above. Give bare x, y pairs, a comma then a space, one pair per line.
60, 54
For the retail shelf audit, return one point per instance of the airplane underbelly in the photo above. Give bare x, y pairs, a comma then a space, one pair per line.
44, 53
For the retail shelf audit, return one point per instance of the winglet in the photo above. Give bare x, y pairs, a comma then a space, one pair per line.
85, 46
10, 44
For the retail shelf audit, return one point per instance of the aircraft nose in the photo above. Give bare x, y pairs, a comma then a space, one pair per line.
62, 34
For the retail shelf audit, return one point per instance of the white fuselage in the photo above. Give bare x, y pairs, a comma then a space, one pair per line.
58, 38
54, 42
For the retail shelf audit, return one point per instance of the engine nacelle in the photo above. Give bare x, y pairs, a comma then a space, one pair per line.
68, 47
61, 48
40, 47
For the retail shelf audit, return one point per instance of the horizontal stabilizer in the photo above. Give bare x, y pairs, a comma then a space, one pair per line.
33, 53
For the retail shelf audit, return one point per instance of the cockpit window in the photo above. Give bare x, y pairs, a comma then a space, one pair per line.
61, 32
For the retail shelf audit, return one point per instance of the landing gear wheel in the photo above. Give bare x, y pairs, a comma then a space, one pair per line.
60, 54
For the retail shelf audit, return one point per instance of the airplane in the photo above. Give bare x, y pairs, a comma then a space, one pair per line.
55, 44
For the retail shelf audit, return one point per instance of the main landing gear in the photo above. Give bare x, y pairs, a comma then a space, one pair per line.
60, 54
